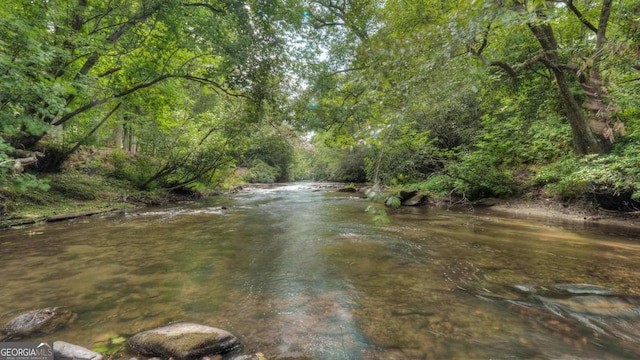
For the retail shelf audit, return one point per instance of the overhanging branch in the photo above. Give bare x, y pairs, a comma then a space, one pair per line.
580, 16
209, 82
98, 102
95, 128
207, 6
506, 67
514, 71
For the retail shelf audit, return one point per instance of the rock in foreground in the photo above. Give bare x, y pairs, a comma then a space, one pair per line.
184, 341
42, 321
65, 351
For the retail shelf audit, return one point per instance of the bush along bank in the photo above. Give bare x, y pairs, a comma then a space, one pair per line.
91, 182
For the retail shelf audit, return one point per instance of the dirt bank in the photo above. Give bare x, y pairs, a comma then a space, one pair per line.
554, 210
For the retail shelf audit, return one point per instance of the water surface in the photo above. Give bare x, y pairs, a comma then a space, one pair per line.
297, 269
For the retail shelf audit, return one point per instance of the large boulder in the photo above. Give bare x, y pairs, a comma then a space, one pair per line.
66, 351
183, 341
37, 322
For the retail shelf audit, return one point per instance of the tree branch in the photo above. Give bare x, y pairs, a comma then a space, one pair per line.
485, 39
340, 12
514, 71
206, 81
346, 70
95, 128
327, 24
98, 102
208, 6
141, 86
605, 13
580, 17
506, 67
93, 59
628, 81
109, 72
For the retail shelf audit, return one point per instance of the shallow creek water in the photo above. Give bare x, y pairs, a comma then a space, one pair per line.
296, 269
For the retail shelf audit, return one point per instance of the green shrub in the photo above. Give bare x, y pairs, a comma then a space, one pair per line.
558, 178
134, 169
613, 175
261, 172
479, 175
437, 184
351, 167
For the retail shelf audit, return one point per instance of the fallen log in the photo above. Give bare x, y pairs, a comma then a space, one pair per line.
20, 162
56, 218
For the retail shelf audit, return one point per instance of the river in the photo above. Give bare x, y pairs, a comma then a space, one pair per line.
297, 269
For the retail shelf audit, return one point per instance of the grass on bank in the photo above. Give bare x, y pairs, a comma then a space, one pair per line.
73, 193
91, 180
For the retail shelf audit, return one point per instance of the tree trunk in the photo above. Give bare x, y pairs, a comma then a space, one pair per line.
130, 139
602, 113
118, 137
133, 143
584, 140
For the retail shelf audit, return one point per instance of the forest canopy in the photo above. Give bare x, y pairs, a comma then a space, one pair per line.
468, 98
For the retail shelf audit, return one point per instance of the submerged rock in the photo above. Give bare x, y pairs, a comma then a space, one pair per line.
560, 290
292, 356
416, 200
66, 351
348, 189
485, 202
406, 195
184, 341
527, 289
42, 321
246, 357
584, 289
613, 315
591, 307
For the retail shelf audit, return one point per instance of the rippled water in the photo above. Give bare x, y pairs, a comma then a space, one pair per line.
296, 269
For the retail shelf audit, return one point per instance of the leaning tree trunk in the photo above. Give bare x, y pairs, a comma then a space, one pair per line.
584, 140
602, 113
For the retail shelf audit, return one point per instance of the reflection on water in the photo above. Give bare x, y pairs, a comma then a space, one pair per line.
294, 269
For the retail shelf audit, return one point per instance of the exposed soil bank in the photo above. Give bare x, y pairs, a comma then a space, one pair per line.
556, 211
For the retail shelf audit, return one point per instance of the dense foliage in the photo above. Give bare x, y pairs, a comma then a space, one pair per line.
468, 98
175, 80
483, 98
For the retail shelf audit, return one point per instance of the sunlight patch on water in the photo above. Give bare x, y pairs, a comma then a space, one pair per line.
180, 212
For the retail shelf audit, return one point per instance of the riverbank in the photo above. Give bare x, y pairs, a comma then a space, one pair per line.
74, 194
555, 210
55, 205
84, 196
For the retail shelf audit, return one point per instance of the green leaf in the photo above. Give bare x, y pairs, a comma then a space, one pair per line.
393, 201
